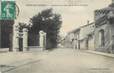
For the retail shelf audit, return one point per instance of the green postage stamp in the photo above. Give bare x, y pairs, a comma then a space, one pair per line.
7, 10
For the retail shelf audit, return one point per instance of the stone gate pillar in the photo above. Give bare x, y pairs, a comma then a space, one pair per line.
42, 40
15, 37
25, 39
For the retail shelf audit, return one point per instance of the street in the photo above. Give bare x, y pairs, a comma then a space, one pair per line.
67, 61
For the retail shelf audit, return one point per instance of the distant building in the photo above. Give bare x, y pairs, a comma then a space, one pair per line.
97, 36
67, 41
81, 38
104, 29
86, 36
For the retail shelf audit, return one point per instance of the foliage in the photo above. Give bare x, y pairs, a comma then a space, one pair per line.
50, 23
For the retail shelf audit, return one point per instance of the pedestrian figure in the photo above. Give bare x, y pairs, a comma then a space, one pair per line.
74, 42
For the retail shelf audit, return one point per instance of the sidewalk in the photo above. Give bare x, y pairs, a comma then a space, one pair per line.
101, 53
12, 60
4, 50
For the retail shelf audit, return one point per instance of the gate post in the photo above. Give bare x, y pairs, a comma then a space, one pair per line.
25, 39
15, 44
42, 40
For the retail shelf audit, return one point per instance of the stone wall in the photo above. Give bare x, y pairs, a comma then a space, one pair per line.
106, 40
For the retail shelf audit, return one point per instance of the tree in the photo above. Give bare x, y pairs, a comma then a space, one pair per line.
50, 23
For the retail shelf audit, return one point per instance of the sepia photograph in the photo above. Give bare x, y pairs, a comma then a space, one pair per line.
56, 36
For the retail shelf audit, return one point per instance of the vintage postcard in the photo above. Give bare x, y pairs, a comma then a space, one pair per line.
56, 36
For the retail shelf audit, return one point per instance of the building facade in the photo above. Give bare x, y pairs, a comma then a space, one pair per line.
67, 41
98, 36
86, 36
104, 29
81, 38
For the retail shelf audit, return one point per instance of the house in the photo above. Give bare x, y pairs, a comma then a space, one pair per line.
104, 29
67, 41
86, 36
81, 38
98, 36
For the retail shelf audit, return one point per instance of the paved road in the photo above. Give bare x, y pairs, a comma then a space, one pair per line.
68, 61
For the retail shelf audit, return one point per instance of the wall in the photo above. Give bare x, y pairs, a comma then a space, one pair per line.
83, 45
85, 30
72, 40
87, 46
91, 44
68, 41
84, 35
107, 39
112, 38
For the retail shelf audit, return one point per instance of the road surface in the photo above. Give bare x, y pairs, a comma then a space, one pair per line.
68, 61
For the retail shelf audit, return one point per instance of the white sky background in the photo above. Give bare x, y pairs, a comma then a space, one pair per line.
72, 16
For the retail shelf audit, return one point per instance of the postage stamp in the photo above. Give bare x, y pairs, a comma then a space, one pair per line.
8, 10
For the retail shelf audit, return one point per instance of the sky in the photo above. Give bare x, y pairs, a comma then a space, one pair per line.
72, 16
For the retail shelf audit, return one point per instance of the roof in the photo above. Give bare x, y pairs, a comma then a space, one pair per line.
78, 29
109, 8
